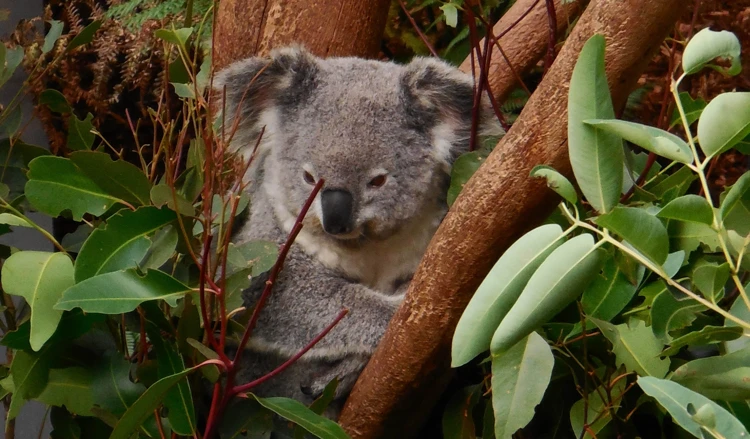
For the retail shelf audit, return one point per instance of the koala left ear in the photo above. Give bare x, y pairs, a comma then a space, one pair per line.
441, 97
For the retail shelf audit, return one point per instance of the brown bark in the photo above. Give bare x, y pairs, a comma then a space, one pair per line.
335, 27
401, 383
525, 44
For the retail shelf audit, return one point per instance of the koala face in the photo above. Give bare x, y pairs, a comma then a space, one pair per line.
382, 136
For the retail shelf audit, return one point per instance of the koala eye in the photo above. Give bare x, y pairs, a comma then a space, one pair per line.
377, 181
309, 179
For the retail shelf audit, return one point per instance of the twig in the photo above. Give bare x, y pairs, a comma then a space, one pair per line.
418, 30
552, 21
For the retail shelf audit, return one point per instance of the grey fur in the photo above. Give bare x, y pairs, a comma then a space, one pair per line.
345, 120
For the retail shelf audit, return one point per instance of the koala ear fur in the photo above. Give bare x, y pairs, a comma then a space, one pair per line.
440, 96
250, 87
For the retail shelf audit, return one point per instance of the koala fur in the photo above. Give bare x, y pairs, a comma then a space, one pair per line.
383, 137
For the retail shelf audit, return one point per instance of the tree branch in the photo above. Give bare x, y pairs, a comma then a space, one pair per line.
411, 366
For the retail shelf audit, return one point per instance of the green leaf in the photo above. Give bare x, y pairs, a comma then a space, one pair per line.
600, 405
85, 36
463, 168
29, 372
557, 182
245, 418
178, 400
122, 243
40, 278
673, 186
161, 194
635, 347
56, 184
13, 58
688, 236
118, 178
18, 154
724, 122
11, 120
55, 30
55, 101
175, 36
163, 246
692, 108
640, 229
296, 412
707, 335
80, 135
688, 208
725, 377
519, 379
735, 208
13, 220
258, 255
122, 291
676, 398
707, 45
185, 91
673, 263
211, 372
561, 278
669, 314
71, 388
458, 419
145, 405
112, 388
500, 290
652, 139
451, 14
739, 309
596, 156
710, 279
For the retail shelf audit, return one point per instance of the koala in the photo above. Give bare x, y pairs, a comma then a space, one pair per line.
383, 137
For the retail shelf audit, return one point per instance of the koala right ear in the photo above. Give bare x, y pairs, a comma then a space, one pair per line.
248, 90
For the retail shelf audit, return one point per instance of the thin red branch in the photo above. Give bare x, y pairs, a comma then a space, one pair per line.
418, 30
552, 21
245, 387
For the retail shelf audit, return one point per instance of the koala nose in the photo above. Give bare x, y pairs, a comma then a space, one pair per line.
337, 211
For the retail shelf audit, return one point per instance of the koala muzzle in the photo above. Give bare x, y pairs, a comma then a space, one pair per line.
337, 211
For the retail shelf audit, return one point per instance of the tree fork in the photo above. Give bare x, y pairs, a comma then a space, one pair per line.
246, 28
411, 366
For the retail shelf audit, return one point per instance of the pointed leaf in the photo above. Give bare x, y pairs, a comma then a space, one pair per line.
56, 184
599, 411
740, 310
707, 335
608, 294
596, 156
559, 280
13, 220
735, 209
85, 36
55, 30
519, 379
13, 58
161, 194
122, 291
635, 347
118, 178
707, 45
55, 100
669, 314
652, 139
71, 388
296, 412
640, 229
688, 208
144, 407
122, 243
79, 133
692, 108
676, 398
40, 278
724, 122
500, 290
710, 279
557, 182
163, 245
725, 377
29, 372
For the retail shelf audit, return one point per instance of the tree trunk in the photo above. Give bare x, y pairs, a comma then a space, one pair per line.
327, 28
411, 366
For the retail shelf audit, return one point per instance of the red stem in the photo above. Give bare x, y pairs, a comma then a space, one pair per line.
552, 21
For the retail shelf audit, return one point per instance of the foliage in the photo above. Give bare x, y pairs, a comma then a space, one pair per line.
111, 328
659, 275
134, 13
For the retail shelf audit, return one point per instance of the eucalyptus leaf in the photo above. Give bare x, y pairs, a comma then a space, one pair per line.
55, 30
175, 36
519, 380
112, 387
122, 243
596, 156
161, 195
500, 290
55, 100
56, 184
122, 291
688, 208
669, 314
557, 182
451, 14
635, 347
692, 108
740, 310
29, 372
296, 412
734, 211
640, 229
724, 123
463, 168
40, 278
724, 377
80, 135
710, 279
13, 220
676, 398
707, 45
13, 58
562, 277
706, 335
118, 178
70, 387
85, 36
652, 139
599, 406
